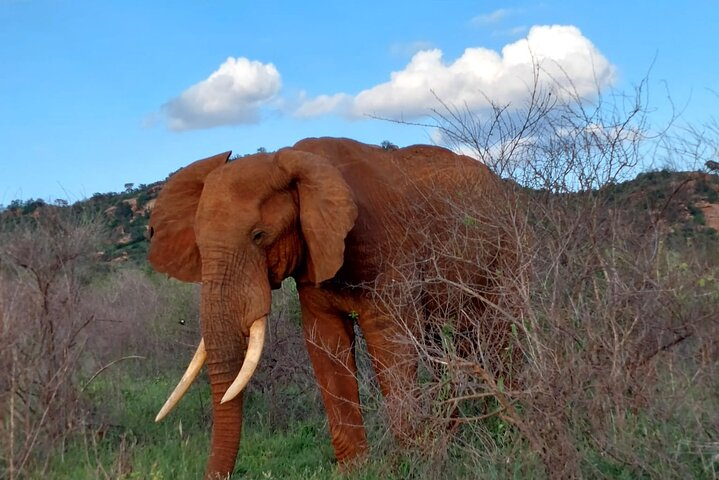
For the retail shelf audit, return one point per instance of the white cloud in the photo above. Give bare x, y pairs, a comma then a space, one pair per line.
490, 18
233, 94
241, 89
322, 105
563, 54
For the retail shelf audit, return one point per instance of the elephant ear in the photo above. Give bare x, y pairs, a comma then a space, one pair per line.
173, 247
327, 210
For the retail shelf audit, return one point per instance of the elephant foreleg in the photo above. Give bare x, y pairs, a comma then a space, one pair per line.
330, 343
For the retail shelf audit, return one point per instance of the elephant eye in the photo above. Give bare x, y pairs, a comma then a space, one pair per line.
257, 236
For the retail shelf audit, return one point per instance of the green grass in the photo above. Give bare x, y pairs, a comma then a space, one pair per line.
132, 446
301, 452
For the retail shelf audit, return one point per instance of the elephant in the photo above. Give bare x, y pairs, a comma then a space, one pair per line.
331, 213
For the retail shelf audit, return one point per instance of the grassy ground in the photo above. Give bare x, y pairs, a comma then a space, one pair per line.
134, 447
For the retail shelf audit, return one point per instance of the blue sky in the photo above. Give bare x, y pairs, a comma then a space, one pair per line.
97, 94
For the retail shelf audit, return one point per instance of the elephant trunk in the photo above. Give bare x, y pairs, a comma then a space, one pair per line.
225, 347
228, 303
226, 431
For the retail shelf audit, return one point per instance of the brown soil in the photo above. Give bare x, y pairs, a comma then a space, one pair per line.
711, 214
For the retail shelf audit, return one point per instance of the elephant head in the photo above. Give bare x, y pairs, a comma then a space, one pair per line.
239, 228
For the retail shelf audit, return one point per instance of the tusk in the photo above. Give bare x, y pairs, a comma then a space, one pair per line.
252, 357
190, 375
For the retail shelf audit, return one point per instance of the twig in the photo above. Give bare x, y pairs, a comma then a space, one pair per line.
129, 357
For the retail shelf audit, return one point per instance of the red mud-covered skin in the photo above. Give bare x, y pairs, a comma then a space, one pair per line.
333, 214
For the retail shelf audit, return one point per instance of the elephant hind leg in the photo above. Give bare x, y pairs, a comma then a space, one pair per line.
395, 363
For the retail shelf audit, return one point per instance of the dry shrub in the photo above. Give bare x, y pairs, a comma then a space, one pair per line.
610, 311
588, 347
284, 382
147, 327
151, 316
67, 321
45, 266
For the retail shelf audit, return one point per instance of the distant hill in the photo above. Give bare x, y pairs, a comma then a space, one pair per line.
127, 214
685, 203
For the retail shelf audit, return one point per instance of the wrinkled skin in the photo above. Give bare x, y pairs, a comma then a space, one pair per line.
332, 213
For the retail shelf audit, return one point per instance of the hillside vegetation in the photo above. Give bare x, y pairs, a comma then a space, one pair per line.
687, 204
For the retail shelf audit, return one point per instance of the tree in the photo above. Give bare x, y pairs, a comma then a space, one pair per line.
123, 210
387, 145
